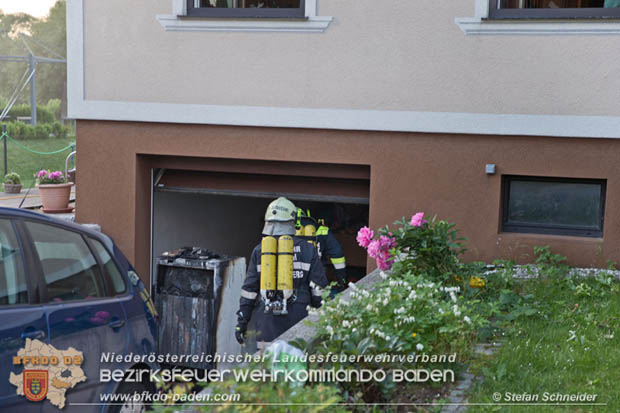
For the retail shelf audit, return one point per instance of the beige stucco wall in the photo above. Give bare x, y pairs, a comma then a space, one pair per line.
392, 55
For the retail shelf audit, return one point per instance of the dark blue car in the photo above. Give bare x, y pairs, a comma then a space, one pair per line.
68, 286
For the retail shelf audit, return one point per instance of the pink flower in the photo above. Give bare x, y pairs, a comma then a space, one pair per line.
373, 248
41, 173
418, 220
387, 242
384, 261
364, 236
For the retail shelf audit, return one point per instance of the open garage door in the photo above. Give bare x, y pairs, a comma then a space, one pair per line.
220, 205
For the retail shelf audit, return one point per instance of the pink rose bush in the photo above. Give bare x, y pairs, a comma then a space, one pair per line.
380, 248
422, 246
45, 177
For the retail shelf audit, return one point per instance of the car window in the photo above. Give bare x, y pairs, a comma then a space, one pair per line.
13, 288
70, 270
111, 271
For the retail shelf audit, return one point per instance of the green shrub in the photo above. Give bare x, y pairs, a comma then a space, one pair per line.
12, 178
24, 131
418, 246
54, 107
44, 114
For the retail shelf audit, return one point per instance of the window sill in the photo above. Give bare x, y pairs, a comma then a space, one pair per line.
311, 24
481, 26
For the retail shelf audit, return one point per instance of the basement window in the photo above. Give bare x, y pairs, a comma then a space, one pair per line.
559, 206
554, 9
247, 8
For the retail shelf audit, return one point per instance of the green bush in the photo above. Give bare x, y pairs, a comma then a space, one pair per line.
54, 107
44, 114
12, 178
23, 131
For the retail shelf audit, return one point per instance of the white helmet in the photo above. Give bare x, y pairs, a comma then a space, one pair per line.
280, 218
281, 210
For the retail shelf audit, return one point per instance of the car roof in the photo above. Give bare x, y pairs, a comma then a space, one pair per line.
25, 213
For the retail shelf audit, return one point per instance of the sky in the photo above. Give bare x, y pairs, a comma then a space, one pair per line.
37, 8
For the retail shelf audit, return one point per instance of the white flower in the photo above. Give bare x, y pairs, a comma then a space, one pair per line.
369, 307
385, 302
455, 310
383, 275
345, 324
467, 320
344, 302
419, 346
440, 311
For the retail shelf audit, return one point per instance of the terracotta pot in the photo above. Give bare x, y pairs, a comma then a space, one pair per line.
55, 196
12, 188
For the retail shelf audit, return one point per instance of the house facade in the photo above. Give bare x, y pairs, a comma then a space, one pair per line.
500, 116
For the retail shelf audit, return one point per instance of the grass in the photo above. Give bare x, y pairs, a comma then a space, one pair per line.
570, 346
27, 164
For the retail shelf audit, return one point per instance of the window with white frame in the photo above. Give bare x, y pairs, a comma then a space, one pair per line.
550, 9
246, 8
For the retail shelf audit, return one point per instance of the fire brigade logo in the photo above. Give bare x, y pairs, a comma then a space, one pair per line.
48, 373
35, 384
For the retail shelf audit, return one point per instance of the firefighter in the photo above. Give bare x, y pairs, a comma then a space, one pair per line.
326, 243
284, 276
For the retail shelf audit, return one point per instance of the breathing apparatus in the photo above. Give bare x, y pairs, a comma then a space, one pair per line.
305, 226
277, 254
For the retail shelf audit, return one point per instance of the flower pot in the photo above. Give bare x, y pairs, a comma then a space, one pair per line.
55, 197
12, 188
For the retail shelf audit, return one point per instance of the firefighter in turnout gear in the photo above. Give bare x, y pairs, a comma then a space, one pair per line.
326, 243
284, 276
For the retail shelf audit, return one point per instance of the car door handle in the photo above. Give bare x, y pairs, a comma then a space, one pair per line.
118, 323
33, 334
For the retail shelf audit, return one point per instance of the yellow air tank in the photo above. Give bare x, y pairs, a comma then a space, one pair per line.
310, 233
285, 268
268, 268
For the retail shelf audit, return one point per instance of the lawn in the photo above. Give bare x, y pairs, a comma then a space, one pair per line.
570, 346
27, 164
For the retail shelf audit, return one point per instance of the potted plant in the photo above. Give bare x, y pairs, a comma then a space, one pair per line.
12, 183
54, 190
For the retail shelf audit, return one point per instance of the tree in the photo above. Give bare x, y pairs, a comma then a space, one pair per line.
46, 37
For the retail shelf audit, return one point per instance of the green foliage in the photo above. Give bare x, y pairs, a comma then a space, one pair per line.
12, 178
432, 248
549, 264
394, 317
44, 114
267, 397
49, 31
570, 345
25, 131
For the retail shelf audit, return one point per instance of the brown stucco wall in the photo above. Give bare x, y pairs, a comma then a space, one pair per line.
437, 174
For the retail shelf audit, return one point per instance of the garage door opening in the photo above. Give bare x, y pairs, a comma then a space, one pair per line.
224, 211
